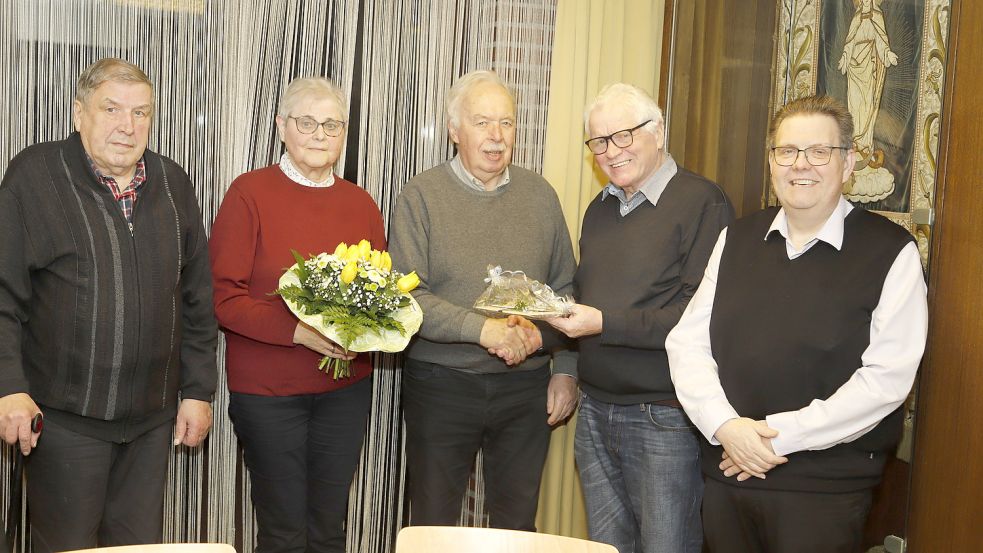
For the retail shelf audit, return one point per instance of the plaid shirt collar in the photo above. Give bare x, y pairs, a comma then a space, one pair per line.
128, 195
131, 189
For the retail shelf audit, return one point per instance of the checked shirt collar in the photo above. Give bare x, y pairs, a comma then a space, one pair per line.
127, 196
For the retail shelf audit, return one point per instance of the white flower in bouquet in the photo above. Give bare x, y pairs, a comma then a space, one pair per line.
354, 297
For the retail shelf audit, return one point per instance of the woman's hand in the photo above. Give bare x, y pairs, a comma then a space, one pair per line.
311, 339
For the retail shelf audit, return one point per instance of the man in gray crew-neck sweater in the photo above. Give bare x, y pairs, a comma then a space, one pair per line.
645, 243
472, 382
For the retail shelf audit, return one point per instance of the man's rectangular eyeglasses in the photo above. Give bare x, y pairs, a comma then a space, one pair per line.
622, 139
815, 155
307, 125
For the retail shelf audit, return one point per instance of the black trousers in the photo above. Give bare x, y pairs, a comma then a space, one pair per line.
301, 452
83, 492
449, 415
742, 520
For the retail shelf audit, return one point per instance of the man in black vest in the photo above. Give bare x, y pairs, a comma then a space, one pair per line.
798, 350
645, 243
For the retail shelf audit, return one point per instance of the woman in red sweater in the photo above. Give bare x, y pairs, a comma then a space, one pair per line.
301, 431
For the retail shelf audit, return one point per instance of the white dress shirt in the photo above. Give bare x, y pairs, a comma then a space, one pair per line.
898, 329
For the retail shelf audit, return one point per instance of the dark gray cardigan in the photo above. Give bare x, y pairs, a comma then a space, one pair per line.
101, 326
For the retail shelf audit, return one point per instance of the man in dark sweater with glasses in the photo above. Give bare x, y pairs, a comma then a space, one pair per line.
645, 243
797, 352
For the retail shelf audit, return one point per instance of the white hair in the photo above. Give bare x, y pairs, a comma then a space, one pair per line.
463, 86
308, 88
630, 96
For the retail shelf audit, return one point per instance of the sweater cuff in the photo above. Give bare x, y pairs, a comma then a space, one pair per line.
282, 324
565, 362
196, 393
10, 386
471, 328
614, 329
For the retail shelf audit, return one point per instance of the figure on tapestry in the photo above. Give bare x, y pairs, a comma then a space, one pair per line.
867, 55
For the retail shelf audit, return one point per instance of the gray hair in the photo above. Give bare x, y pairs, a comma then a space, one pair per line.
305, 88
630, 96
819, 104
109, 69
463, 86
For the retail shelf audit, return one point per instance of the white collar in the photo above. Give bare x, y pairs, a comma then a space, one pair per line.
294, 174
472, 181
831, 232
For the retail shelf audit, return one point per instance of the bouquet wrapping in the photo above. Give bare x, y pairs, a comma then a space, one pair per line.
513, 293
355, 298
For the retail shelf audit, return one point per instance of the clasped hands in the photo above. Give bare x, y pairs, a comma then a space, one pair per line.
513, 339
747, 448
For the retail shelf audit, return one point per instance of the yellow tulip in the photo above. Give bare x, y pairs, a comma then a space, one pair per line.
408, 282
376, 259
364, 249
349, 272
352, 253
339, 252
387, 262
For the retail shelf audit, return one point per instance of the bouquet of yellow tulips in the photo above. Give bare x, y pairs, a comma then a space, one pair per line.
355, 298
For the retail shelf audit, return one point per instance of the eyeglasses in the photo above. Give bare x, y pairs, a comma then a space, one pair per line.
622, 139
308, 125
815, 155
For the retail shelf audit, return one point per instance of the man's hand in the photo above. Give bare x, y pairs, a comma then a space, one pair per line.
534, 338
16, 413
583, 320
513, 342
729, 468
561, 398
748, 445
194, 420
310, 338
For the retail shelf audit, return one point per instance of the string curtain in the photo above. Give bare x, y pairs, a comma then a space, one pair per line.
219, 68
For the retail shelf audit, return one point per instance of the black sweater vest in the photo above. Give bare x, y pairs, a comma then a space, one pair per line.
785, 332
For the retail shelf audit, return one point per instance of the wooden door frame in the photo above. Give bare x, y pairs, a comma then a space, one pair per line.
947, 478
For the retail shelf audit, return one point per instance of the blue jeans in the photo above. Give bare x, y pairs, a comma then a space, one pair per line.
640, 471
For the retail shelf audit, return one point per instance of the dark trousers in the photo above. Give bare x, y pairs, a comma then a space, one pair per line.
83, 492
742, 520
301, 452
449, 415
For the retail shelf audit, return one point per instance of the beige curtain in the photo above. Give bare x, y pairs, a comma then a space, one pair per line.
596, 42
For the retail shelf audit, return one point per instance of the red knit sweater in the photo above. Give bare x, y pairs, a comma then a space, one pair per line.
263, 216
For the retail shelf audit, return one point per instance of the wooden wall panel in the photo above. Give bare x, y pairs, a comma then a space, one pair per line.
947, 488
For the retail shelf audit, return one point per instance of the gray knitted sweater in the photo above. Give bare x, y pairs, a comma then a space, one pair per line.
449, 234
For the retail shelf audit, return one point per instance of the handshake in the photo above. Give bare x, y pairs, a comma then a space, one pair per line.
513, 339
